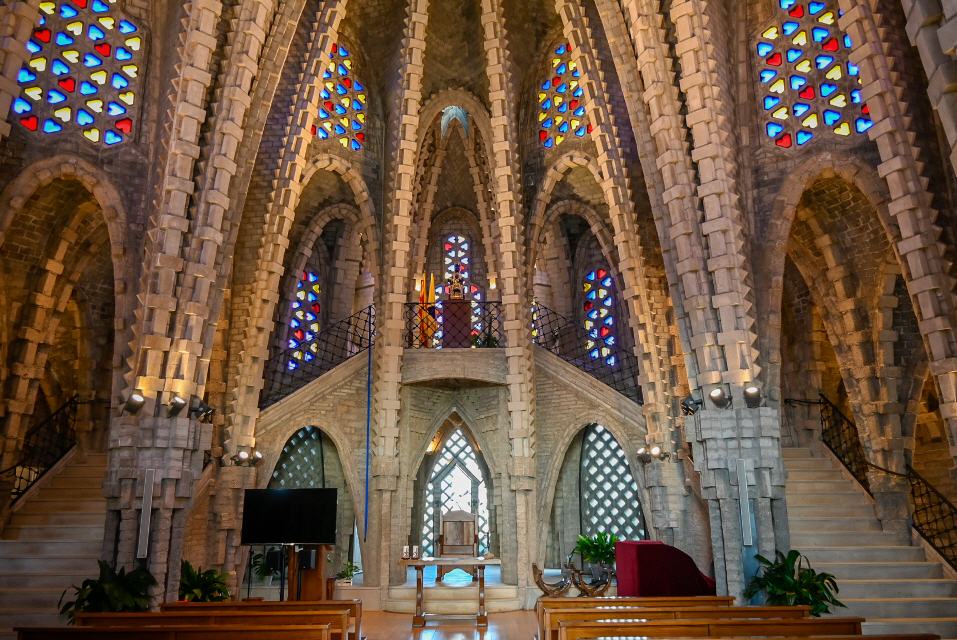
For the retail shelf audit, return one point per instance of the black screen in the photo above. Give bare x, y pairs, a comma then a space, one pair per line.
289, 516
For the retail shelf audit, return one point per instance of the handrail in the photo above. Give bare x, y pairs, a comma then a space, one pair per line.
294, 368
474, 324
43, 446
568, 339
934, 516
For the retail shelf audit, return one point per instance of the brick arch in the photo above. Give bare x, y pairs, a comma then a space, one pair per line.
784, 212
63, 264
575, 424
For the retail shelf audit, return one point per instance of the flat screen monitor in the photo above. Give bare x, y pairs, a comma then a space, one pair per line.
289, 516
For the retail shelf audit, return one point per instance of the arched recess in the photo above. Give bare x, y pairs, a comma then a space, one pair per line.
58, 250
592, 488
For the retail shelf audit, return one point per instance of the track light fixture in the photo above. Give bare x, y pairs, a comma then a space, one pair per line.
247, 458
646, 454
690, 406
720, 398
202, 412
176, 405
134, 403
752, 396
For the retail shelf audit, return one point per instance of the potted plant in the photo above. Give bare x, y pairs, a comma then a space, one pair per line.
196, 585
349, 570
112, 591
599, 550
789, 580
263, 568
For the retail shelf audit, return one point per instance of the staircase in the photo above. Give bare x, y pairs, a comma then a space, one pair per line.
52, 542
896, 587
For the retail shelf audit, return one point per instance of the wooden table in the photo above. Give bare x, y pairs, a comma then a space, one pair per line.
481, 618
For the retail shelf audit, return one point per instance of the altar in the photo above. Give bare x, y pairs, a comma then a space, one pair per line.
478, 564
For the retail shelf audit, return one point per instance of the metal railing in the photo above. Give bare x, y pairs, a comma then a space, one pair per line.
568, 340
934, 516
43, 446
454, 324
294, 368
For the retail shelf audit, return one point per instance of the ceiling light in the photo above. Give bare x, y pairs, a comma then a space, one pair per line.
134, 403
752, 396
720, 398
176, 405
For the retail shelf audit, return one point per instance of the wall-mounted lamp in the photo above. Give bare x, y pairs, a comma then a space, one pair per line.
492, 283
418, 284
134, 403
690, 406
655, 452
720, 398
752, 396
176, 405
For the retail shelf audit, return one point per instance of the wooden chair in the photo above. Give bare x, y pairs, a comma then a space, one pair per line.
458, 539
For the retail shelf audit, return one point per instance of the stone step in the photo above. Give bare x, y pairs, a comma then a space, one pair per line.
944, 627
83, 533
14, 618
70, 493
847, 497
826, 474
85, 566
916, 607
453, 600
40, 504
27, 519
863, 539
876, 570
75, 482
814, 487
863, 554
811, 525
795, 452
821, 464
901, 588
49, 549
32, 599
861, 509
48, 580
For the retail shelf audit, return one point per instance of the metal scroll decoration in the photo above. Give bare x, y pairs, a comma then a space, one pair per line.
554, 589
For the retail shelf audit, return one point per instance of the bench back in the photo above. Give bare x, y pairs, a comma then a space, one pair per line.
633, 601
204, 632
338, 620
587, 629
354, 605
553, 617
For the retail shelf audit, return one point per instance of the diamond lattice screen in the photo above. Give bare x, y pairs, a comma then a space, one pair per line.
456, 483
300, 464
609, 494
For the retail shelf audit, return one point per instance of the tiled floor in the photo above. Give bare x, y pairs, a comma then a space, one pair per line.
515, 625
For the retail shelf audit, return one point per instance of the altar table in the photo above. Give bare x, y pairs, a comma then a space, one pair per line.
481, 618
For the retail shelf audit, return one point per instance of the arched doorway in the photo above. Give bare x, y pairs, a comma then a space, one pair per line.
595, 492
453, 476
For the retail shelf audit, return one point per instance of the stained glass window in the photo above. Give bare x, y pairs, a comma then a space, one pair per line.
561, 101
457, 258
456, 483
304, 322
608, 492
598, 304
809, 88
82, 72
342, 110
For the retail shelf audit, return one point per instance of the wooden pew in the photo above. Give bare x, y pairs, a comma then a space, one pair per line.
203, 632
632, 601
353, 605
337, 619
610, 627
553, 617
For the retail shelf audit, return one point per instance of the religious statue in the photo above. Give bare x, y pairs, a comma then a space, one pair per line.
455, 285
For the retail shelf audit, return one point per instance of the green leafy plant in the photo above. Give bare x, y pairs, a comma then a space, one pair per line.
789, 580
262, 568
349, 569
485, 340
196, 585
597, 549
112, 591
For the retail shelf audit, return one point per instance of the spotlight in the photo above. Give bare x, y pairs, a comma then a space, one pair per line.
203, 412
257, 455
176, 405
246, 458
642, 451
134, 403
656, 451
646, 455
720, 398
752, 396
690, 406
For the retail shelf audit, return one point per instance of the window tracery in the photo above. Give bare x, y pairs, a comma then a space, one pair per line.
808, 85
342, 109
608, 492
83, 72
598, 303
561, 101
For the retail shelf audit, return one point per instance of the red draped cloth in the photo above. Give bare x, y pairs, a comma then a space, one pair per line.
651, 568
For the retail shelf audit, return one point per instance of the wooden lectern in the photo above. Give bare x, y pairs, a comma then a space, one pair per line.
308, 583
